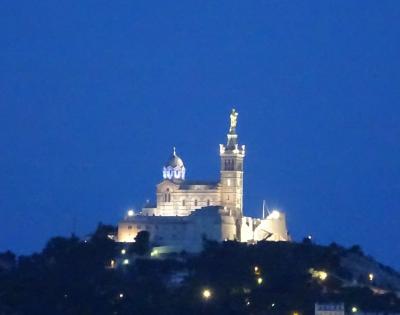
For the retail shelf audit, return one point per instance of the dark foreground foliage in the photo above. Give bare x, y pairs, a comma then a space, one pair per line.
77, 277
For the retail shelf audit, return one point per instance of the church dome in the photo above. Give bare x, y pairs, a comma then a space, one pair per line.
174, 161
174, 169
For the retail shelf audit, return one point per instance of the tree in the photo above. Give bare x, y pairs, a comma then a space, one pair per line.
142, 243
7, 260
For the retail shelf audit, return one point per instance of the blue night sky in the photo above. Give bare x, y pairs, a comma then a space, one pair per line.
94, 95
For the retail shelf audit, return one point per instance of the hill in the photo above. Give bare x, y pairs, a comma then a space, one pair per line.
99, 276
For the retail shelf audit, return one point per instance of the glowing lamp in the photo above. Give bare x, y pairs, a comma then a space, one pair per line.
275, 215
371, 277
206, 294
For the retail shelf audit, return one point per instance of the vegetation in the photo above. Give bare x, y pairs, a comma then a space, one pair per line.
98, 276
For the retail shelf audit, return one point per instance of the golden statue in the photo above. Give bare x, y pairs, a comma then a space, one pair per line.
233, 117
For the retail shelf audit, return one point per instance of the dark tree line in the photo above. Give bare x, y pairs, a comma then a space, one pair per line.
72, 276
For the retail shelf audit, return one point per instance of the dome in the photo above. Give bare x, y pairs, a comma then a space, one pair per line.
174, 161
174, 169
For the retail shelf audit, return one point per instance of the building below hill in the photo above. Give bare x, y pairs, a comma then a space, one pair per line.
186, 212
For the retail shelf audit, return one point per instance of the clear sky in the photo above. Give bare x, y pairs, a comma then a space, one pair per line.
94, 95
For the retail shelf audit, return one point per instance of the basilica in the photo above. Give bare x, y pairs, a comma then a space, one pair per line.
188, 211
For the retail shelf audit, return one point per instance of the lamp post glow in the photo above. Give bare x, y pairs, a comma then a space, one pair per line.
259, 280
323, 275
131, 213
318, 274
371, 277
206, 294
275, 215
354, 309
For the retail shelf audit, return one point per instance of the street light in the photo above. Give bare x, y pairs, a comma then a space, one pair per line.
206, 294
354, 309
318, 274
259, 280
371, 277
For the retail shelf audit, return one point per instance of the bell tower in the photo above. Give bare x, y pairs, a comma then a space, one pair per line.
231, 183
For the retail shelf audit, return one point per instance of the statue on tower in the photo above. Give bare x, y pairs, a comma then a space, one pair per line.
233, 116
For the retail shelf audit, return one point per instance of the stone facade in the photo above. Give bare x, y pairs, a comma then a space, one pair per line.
188, 211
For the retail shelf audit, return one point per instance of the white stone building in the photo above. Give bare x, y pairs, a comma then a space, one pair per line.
186, 212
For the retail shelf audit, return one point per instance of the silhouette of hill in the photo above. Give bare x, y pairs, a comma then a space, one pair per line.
99, 276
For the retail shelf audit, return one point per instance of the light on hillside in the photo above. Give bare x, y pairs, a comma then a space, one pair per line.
318, 274
206, 294
371, 277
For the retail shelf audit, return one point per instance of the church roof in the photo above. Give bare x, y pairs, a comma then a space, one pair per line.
189, 184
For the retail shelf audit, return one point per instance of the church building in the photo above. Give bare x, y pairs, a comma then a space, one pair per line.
187, 212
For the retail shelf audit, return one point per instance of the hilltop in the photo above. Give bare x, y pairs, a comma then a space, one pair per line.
99, 276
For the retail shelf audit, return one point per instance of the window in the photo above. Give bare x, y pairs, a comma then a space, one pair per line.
195, 202
208, 202
229, 165
167, 196
129, 227
183, 202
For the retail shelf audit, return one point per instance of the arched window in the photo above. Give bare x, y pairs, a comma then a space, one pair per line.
208, 202
167, 196
195, 202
